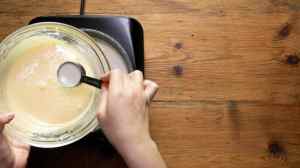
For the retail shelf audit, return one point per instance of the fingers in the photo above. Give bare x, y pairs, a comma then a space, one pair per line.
151, 89
6, 118
105, 77
103, 104
117, 75
105, 80
115, 78
137, 76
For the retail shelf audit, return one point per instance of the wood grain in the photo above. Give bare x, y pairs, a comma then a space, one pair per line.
219, 61
229, 80
226, 50
36, 7
226, 134
17, 13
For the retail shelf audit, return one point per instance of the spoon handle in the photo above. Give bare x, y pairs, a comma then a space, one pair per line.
92, 81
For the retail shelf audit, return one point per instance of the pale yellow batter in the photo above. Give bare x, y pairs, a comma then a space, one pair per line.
31, 85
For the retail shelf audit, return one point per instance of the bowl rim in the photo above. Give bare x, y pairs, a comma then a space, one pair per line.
90, 126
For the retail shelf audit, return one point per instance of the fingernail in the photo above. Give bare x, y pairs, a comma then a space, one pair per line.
10, 116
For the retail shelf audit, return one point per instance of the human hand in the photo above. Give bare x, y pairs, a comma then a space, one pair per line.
123, 112
124, 118
13, 154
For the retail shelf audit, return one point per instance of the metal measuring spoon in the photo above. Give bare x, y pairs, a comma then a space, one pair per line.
70, 74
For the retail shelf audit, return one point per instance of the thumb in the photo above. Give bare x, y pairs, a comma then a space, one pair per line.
103, 104
151, 89
5, 119
106, 77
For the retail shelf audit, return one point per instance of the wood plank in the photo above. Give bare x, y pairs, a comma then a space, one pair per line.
247, 52
219, 7
229, 77
222, 58
15, 13
37, 7
200, 134
129, 7
227, 134
14, 22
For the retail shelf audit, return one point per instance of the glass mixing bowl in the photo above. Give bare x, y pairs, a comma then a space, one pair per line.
32, 131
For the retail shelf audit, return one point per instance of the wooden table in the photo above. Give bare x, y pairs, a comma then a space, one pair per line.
229, 79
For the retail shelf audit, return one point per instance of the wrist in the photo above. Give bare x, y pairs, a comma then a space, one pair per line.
135, 149
135, 146
7, 162
144, 155
7, 158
